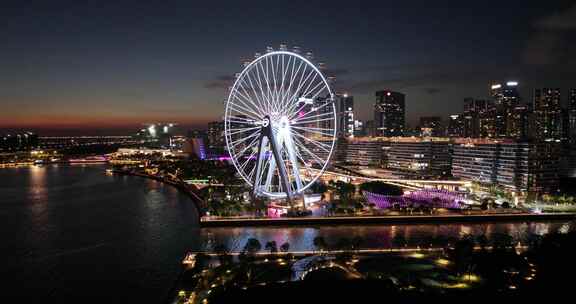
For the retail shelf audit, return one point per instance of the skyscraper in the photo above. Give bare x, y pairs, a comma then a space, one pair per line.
455, 126
431, 126
216, 139
506, 97
479, 117
572, 115
548, 113
519, 124
389, 113
345, 107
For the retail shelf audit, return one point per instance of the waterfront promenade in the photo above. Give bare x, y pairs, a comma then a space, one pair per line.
475, 217
395, 219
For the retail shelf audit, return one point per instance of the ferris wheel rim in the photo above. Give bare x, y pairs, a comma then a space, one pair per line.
227, 133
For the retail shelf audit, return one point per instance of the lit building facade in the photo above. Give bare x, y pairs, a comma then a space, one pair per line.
389, 113
216, 139
519, 126
479, 118
345, 106
424, 156
506, 98
455, 126
572, 115
23, 141
547, 114
517, 166
363, 151
431, 126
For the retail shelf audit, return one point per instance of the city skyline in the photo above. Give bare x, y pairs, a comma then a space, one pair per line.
148, 63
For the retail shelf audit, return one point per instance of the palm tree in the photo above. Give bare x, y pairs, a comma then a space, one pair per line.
271, 246
285, 247
252, 246
357, 242
320, 243
399, 241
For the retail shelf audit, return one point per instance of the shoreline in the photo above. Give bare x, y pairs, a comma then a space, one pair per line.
383, 220
184, 188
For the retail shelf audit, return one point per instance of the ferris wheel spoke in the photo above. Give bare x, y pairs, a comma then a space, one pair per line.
304, 163
248, 159
305, 91
281, 78
299, 87
240, 111
315, 157
258, 79
254, 114
239, 141
264, 96
251, 174
251, 145
288, 91
314, 142
298, 110
257, 86
254, 93
279, 67
272, 82
310, 115
240, 120
285, 70
242, 103
247, 100
312, 130
265, 74
310, 121
291, 108
315, 89
274, 67
243, 130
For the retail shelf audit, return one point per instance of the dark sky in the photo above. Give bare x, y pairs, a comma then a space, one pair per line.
111, 65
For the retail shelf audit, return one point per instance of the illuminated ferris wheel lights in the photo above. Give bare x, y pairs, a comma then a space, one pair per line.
278, 108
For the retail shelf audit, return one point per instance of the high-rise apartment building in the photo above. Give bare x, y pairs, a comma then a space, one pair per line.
518, 166
389, 113
431, 126
345, 109
455, 126
506, 98
547, 114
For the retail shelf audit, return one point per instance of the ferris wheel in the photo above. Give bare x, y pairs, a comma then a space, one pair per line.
280, 124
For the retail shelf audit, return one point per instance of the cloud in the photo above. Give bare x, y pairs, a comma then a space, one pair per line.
336, 72
431, 91
559, 21
220, 82
544, 48
551, 42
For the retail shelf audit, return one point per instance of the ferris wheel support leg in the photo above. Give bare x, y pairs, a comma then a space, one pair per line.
295, 169
281, 165
266, 137
258, 172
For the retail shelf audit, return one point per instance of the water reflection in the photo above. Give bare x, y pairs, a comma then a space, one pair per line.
378, 236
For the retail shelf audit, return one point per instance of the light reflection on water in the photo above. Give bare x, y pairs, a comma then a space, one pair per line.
376, 236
